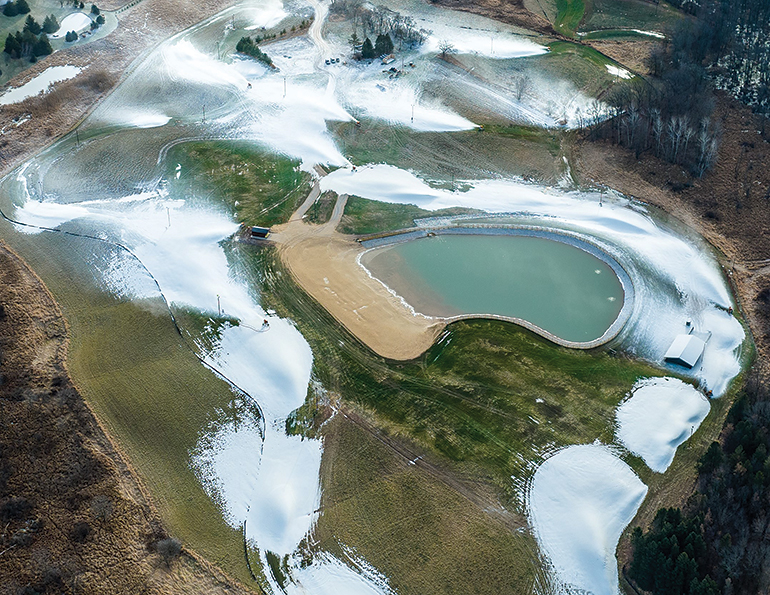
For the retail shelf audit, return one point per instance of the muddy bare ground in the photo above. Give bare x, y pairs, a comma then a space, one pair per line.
73, 515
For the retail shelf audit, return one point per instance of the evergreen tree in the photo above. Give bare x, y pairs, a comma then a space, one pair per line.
12, 46
247, 46
22, 7
10, 9
42, 47
27, 41
100, 19
95, 9
367, 49
32, 25
384, 45
354, 42
50, 24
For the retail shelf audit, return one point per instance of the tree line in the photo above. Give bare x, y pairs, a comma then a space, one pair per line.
368, 50
374, 21
12, 9
724, 45
720, 542
32, 42
669, 114
246, 45
729, 37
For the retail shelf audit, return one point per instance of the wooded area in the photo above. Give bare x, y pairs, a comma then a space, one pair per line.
723, 45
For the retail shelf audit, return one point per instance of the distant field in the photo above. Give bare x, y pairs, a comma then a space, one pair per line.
571, 16
630, 14
580, 64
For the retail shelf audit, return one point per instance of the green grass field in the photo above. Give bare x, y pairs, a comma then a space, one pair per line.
363, 216
488, 396
582, 65
448, 156
258, 188
424, 536
322, 208
569, 15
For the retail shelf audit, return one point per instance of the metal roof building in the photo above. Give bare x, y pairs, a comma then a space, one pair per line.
686, 350
260, 232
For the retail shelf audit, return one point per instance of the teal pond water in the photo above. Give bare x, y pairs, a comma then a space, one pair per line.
556, 286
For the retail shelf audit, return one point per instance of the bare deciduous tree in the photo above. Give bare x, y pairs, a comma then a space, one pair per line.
446, 48
521, 85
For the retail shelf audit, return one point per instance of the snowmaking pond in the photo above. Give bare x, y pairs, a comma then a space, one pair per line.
561, 289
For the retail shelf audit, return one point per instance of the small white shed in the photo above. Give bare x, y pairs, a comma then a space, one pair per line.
686, 350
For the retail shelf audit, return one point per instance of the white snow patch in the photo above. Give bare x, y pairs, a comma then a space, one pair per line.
185, 61
42, 83
619, 72
77, 21
650, 33
397, 101
148, 119
265, 14
661, 414
727, 335
580, 500
125, 276
491, 44
226, 462
329, 576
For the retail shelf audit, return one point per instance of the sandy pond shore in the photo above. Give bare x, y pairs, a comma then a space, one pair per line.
325, 264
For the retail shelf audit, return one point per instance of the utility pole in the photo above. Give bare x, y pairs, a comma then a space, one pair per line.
284, 86
413, 113
219, 306
168, 212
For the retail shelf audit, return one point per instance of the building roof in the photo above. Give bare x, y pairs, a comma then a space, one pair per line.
686, 350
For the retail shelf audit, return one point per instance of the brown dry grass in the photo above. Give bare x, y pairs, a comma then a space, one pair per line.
512, 12
632, 53
57, 463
